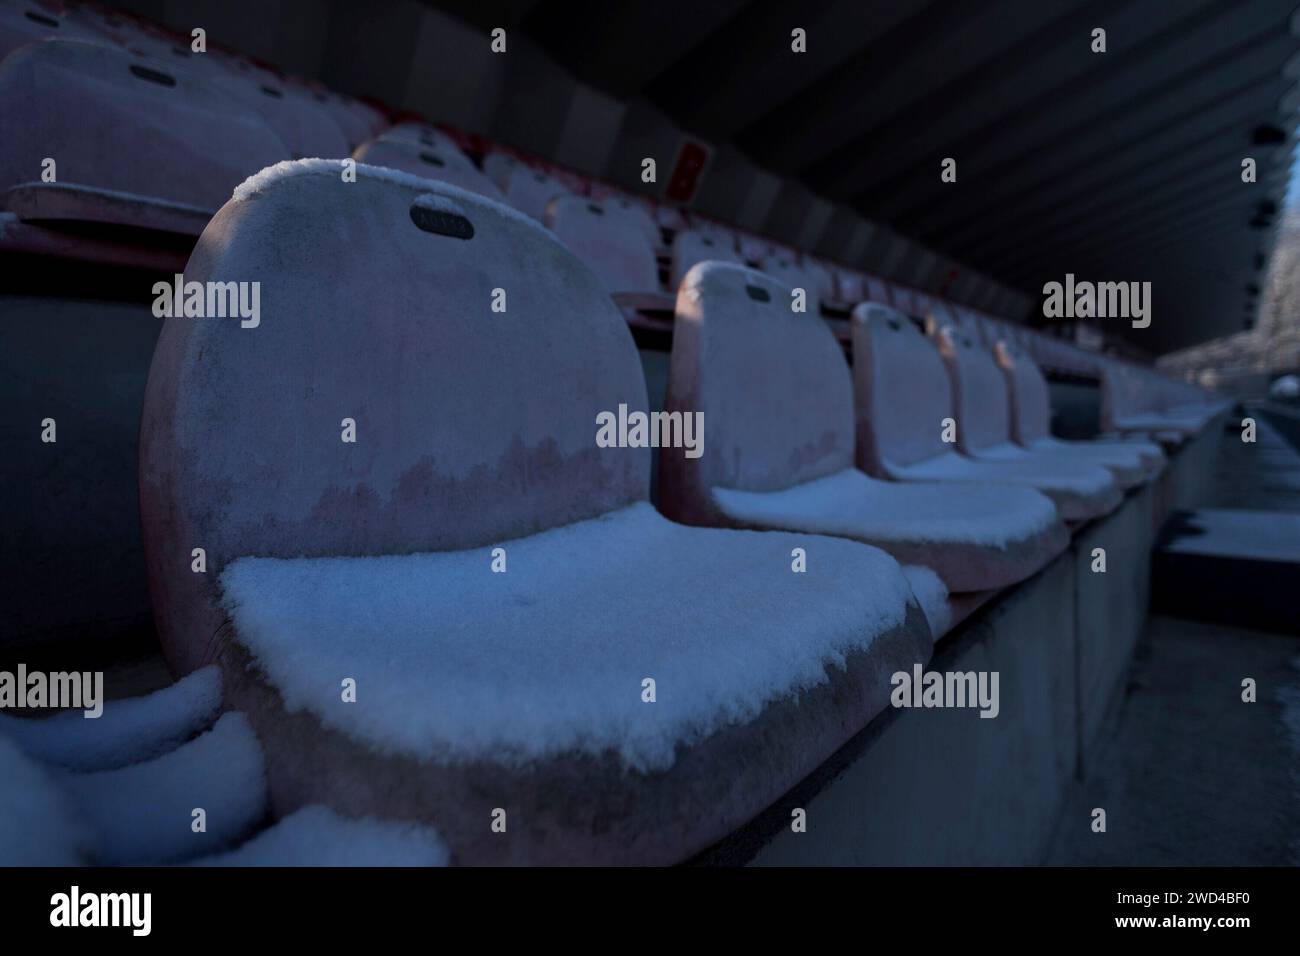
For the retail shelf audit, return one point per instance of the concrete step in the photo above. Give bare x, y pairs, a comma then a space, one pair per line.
1229, 567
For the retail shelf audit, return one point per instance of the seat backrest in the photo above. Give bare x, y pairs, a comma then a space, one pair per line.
356, 128
979, 391
99, 106
784, 269
611, 246
773, 387
1030, 401
901, 391
447, 165
752, 247
418, 134
636, 214
850, 286
823, 281
878, 291
691, 246
472, 425
530, 191
22, 23
307, 129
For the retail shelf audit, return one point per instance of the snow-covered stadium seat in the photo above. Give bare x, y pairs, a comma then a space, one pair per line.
139, 813
1137, 401
982, 411
785, 270
442, 163
690, 247
305, 126
778, 411
372, 562
97, 105
613, 247
531, 191
128, 731
27, 22
904, 403
1132, 462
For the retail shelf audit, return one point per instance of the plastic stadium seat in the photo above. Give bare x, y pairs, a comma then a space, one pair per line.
637, 214
28, 22
418, 134
850, 286
477, 430
1132, 463
752, 248
307, 128
437, 162
983, 417
903, 397
904, 301
878, 291
355, 126
690, 247
823, 280
777, 399
1136, 401
97, 106
614, 248
785, 270
527, 187
671, 217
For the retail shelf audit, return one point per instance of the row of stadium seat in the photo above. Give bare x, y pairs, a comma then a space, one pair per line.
767, 594
213, 119
478, 444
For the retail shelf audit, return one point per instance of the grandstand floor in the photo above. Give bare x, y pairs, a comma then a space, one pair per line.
1190, 776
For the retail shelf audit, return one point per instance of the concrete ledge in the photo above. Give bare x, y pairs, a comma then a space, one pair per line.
947, 787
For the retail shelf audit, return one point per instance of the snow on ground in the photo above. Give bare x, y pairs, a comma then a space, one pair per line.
129, 731
452, 660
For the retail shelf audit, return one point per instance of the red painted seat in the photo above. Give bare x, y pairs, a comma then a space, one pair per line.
612, 247
1133, 463
777, 400
98, 107
531, 191
983, 415
373, 560
29, 22
439, 162
306, 127
787, 271
905, 403
692, 246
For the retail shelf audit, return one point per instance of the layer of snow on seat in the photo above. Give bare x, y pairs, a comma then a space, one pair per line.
38, 825
143, 813
851, 504
317, 836
1081, 479
932, 595
454, 661
263, 180
129, 731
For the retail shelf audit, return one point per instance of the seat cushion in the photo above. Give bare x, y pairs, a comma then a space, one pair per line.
1079, 492
975, 538
1132, 463
478, 690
